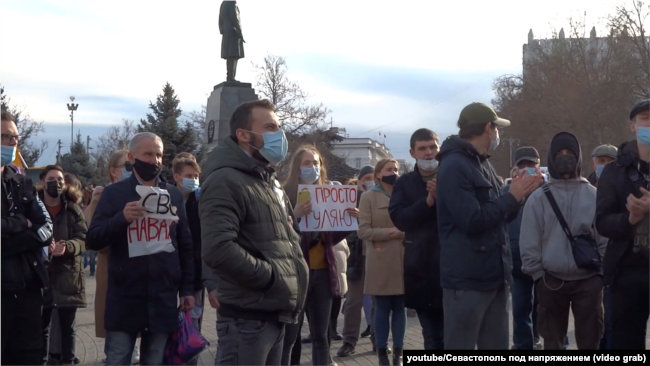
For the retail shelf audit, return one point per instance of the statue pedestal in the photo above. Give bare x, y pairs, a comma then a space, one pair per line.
222, 102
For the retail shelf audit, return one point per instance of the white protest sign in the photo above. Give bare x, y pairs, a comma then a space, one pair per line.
151, 233
328, 204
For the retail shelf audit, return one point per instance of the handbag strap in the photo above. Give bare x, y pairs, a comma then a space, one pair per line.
558, 213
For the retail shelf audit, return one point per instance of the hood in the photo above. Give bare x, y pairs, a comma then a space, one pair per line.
456, 144
229, 155
563, 140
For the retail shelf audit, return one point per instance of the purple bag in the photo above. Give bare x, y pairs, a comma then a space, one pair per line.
185, 342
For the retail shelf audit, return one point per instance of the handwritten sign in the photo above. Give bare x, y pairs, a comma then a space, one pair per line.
151, 233
328, 204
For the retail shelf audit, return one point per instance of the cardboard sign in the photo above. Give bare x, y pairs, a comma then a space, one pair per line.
151, 233
328, 204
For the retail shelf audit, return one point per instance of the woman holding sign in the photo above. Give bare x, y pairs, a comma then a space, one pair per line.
384, 261
307, 167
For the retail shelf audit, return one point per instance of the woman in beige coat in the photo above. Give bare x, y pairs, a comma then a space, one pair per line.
384, 261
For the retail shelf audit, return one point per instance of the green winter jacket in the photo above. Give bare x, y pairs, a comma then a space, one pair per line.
247, 239
67, 284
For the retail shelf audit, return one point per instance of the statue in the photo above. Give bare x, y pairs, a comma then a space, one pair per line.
232, 41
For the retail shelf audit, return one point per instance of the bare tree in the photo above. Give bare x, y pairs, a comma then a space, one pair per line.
290, 100
27, 129
576, 84
116, 138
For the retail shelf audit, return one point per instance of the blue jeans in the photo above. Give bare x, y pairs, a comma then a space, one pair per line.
120, 347
523, 320
432, 322
367, 309
384, 305
248, 342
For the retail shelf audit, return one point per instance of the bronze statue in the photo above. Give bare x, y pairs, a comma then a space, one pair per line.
232, 41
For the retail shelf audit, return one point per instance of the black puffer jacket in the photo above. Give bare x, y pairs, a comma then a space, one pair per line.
23, 258
619, 179
472, 213
67, 284
247, 239
409, 211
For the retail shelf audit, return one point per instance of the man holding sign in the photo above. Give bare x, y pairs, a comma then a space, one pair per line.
143, 221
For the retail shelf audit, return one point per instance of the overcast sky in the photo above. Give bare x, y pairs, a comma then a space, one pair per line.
381, 67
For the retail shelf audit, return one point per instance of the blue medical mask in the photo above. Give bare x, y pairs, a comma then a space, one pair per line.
8, 154
527, 171
190, 185
309, 174
643, 135
126, 174
275, 146
599, 170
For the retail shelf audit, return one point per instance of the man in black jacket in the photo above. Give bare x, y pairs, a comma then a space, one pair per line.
412, 209
474, 254
26, 229
143, 290
623, 203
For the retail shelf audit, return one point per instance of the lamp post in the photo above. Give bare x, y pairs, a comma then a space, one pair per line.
512, 141
72, 107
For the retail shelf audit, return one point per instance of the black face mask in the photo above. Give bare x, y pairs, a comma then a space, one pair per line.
53, 188
146, 171
566, 164
389, 179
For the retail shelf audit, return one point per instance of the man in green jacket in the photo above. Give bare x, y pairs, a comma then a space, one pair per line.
248, 239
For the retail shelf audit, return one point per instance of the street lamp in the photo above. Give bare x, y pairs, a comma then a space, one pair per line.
72, 107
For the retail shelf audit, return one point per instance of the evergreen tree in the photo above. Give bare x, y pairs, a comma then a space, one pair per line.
77, 162
164, 122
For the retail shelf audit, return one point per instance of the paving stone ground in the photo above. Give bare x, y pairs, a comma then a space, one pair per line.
90, 349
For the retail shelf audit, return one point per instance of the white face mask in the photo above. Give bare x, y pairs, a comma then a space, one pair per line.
495, 143
368, 185
427, 165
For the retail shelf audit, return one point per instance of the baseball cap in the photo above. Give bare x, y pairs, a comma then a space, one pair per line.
605, 150
639, 107
527, 153
480, 114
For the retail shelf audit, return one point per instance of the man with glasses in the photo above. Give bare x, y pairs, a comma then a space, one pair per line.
26, 229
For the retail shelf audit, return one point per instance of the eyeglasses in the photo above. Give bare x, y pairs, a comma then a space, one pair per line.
8, 137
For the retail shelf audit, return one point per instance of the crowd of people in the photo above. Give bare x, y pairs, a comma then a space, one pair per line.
449, 240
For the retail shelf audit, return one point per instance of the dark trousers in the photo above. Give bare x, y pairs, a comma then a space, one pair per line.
524, 320
583, 297
629, 309
432, 322
319, 309
352, 312
66, 326
292, 345
336, 309
22, 342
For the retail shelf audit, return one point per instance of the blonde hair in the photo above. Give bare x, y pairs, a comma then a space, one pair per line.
380, 165
182, 160
291, 183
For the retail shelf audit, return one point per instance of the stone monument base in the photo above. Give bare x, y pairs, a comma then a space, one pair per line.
222, 102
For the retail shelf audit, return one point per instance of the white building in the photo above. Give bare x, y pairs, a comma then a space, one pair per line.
360, 151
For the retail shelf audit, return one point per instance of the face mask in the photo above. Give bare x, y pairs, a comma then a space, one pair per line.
275, 146
147, 171
125, 174
527, 171
389, 179
427, 165
599, 170
53, 188
495, 143
309, 174
368, 185
190, 185
643, 135
566, 164
8, 154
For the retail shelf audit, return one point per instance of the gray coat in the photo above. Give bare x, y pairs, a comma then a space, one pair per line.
544, 246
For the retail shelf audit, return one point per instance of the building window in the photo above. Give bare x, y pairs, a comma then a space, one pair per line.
358, 163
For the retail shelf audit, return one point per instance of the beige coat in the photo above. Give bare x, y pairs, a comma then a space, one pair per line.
341, 254
384, 256
101, 276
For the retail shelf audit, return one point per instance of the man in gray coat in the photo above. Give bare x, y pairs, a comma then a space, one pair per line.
232, 41
546, 252
248, 239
